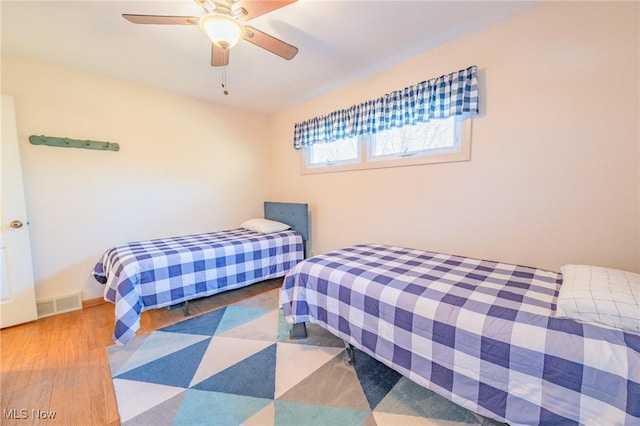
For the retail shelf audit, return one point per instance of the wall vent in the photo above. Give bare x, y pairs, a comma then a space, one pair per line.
58, 305
46, 308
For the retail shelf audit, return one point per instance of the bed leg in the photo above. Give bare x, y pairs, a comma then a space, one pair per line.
351, 354
187, 313
298, 331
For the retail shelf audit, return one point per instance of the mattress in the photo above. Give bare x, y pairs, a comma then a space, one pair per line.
151, 274
480, 333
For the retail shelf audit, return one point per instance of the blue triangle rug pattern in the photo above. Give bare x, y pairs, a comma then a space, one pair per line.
236, 365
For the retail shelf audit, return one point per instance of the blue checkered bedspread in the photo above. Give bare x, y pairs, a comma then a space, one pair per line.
479, 333
151, 274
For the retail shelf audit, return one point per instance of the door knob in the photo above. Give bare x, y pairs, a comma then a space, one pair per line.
16, 224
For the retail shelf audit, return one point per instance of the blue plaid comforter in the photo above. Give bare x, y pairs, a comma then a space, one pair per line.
479, 333
151, 274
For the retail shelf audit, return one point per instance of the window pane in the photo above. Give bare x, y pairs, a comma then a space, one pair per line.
412, 140
340, 151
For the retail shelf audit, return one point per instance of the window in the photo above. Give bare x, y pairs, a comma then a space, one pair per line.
334, 153
436, 141
386, 131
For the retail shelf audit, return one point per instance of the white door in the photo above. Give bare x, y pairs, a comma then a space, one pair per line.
17, 296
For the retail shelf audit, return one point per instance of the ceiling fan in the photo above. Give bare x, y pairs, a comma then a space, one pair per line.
222, 24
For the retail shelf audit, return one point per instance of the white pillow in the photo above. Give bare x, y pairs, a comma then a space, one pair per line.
600, 295
264, 226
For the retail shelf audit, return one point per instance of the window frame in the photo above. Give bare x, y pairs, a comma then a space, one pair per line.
366, 162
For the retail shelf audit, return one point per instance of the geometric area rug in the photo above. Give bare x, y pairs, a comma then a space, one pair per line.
236, 365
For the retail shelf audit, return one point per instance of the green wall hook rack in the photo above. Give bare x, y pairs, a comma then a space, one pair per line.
73, 143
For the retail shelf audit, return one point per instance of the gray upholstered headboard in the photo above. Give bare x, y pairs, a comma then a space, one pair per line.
295, 215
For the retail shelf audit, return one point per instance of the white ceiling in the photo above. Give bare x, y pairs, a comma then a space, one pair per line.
338, 41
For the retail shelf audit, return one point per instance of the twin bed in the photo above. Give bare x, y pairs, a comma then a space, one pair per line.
151, 274
485, 335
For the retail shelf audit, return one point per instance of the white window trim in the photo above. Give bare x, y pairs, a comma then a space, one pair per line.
365, 163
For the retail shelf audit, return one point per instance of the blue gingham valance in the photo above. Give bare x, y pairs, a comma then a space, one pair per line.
442, 97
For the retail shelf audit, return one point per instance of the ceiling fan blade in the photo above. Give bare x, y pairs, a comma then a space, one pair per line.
161, 20
255, 8
219, 56
270, 43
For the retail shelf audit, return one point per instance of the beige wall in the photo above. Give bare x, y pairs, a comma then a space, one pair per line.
554, 176
184, 166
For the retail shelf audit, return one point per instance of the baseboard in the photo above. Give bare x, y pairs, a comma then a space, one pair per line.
93, 302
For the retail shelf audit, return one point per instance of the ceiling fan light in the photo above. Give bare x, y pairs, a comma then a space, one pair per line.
222, 30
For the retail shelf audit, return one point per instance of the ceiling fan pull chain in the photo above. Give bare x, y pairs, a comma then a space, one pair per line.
224, 80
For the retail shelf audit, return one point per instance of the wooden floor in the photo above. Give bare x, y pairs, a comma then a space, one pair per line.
58, 365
